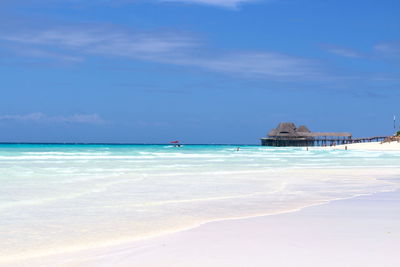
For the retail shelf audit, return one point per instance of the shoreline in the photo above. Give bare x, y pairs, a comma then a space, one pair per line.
87, 257
228, 242
112, 244
42, 254
369, 146
116, 244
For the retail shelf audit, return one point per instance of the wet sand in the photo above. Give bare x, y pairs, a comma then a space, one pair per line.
362, 231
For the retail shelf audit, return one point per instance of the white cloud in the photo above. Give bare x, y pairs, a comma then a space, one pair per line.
167, 48
222, 3
108, 41
41, 117
118, 3
40, 53
80, 118
389, 49
27, 117
270, 65
342, 51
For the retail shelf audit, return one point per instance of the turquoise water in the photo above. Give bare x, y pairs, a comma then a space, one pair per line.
56, 198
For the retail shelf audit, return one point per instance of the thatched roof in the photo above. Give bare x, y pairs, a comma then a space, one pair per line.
316, 134
303, 129
289, 129
284, 128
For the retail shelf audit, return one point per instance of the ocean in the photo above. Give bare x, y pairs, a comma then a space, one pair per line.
60, 198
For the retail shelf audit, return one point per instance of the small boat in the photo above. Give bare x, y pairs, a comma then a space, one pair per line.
176, 143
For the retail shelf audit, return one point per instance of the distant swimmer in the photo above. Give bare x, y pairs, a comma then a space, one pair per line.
238, 148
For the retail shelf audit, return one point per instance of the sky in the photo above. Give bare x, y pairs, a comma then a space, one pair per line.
198, 71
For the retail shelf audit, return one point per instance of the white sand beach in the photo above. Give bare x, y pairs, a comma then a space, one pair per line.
312, 221
362, 231
199, 133
376, 146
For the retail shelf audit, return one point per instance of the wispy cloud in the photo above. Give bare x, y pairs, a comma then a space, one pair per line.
379, 51
269, 65
221, 3
341, 51
26, 117
32, 52
388, 49
108, 41
41, 117
168, 48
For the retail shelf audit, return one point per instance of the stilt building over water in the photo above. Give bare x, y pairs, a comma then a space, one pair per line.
286, 134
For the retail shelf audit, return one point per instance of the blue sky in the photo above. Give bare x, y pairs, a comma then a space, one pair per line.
200, 71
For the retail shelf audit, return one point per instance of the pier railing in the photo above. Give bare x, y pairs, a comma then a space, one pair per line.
341, 141
318, 140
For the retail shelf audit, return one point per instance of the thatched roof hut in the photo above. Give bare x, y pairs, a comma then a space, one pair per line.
286, 134
288, 129
284, 129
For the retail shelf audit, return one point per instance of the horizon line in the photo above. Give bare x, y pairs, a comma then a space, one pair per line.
100, 143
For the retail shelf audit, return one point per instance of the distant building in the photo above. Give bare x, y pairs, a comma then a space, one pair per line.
286, 134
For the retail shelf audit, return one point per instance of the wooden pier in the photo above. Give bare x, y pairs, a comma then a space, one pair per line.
286, 134
341, 141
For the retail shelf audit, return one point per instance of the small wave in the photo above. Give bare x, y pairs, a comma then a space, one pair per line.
66, 153
179, 201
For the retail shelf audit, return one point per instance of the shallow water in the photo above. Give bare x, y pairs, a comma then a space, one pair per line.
56, 198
